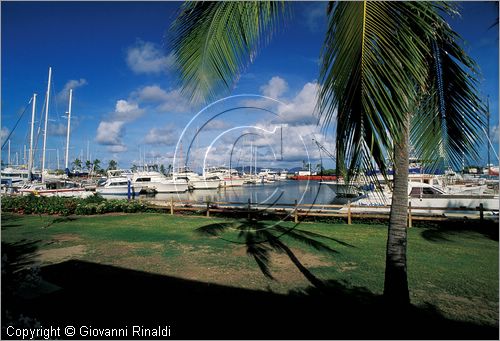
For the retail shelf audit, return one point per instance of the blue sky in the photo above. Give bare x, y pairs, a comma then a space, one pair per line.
126, 102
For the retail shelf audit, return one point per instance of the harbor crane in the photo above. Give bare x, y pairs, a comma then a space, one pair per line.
322, 148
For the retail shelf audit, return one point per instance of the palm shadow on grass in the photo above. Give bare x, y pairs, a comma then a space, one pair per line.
59, 220
19, 277
105, 296
10, 220
261, 239
444, 231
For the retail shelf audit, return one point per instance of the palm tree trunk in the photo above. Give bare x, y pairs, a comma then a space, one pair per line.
396, 281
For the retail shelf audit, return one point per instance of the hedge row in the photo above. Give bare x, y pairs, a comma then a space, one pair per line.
31, 204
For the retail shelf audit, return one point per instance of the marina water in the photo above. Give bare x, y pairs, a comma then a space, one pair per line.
283, 192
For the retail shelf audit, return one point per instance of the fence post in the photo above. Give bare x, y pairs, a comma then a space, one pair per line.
171, 206
349, 220
249, 208
208, 209
481, 213
296, 213
409, 214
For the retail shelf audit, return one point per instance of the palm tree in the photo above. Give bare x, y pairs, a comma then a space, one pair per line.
112, 165
403, 72
390, 72
97, 166
77, 164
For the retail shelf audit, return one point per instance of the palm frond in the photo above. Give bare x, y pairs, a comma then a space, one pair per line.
372, 64
214, 41
449, 118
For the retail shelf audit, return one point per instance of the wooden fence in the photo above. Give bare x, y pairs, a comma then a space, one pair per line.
296, 211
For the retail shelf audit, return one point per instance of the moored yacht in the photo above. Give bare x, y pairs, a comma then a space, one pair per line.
228, 177
17, 176
150, 177
62, 188
195, 181
267, 175
424, 197
118, 183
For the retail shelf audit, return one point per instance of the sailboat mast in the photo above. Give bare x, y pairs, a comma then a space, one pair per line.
281, 141
255, 167
66, 157
45, 124
251, 157
488, 136
30, 157
180, 158
8, 153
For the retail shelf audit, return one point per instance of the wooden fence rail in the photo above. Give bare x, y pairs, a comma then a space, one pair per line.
348, 212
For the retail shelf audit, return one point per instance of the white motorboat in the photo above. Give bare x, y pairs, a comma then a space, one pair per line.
228, 177
118, 183
424, 197
283, 175
55, 189
195, 181
267, 175
151, 178
17, 176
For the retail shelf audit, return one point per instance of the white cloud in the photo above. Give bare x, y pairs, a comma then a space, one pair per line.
494, 134
151, 93
276, 87
217, 125
162, 136
63, 95
127, 111
110, 133
124, 106
4, 132
58, 129
166, 101
300, 109
117, 148
146, 57
154, 154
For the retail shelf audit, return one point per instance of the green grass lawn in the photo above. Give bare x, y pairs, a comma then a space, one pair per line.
455, 271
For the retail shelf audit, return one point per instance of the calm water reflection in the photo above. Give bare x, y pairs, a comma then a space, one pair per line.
306, 192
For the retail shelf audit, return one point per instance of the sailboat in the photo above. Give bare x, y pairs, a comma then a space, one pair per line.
53, 188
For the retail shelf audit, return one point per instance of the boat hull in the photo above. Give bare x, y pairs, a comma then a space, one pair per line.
68, 192
232, 182
204, 184
169, 187
315, 177
119, 190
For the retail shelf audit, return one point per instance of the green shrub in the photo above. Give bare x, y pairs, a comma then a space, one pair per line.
31, 204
